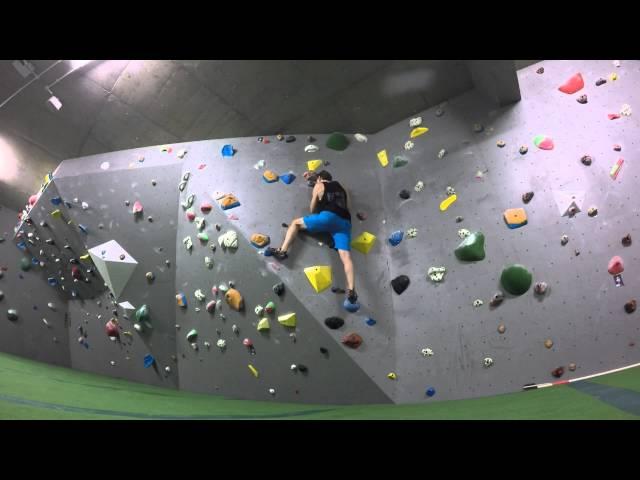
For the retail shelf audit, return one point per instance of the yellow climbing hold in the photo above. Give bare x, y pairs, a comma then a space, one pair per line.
288, 320
86, 257
56, 214
253, 370
392, 376
263, 324
613, 77
319, 277
416, 132
382, 158
313, 164
446, 203
364, 242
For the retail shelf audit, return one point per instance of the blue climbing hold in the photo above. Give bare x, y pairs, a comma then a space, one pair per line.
396, 237
430, 392
21, 245
351, 307
228, 151
149, 360
35, 261
52, 281
83, 229
370, 321
56, 200
288, 178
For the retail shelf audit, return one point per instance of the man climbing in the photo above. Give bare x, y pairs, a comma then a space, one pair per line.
331, 201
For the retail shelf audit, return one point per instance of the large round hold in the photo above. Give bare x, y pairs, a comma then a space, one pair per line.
516, 279
471, 249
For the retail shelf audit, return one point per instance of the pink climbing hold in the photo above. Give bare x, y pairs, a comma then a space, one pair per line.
76, 273
111, 328
137, 208
247, 342
233, 216
616, 266
201, 166
613, 116
211, 306
572, 85
206, 207
33, 199
191, 216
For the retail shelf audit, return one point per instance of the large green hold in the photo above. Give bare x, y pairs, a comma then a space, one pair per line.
337, 141
516, 279
25, 264
142, 314
471, 249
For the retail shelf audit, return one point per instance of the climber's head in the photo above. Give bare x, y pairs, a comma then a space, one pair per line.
325, 176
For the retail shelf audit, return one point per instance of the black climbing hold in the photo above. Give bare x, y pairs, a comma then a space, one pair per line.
260, 139
290, 139
361, 216
284, 225
405, 194
323, 350
310, 139
626, 240
582, 99
600, 81
540, 71
523, 150
303, 368
334, 322
459, 219
278, 288
400, 284
338, 290
558, 372
630, 306
586, 160
526, 198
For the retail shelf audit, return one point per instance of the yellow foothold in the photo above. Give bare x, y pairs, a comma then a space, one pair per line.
253, 370
382, 158
86, 257
364, 242
446, 203
263, 324
56, 214
416, 132
288, 320
613, 77
392, 376
313, 164
319, 277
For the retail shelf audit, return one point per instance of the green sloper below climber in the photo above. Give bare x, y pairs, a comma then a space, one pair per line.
337, 141
471, 249
516, 279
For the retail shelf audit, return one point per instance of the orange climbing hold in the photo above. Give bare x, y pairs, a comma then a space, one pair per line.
234, 299
515, 217
572, 85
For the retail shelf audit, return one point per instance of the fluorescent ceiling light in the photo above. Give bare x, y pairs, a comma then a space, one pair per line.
79, 63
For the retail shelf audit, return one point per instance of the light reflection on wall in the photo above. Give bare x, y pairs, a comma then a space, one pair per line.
8, 162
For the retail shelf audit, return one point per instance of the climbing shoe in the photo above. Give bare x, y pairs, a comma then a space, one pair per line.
352, 296
275, 252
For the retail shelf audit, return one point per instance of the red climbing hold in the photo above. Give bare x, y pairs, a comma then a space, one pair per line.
206, 207
613, 116
111, 328
616, 266
352, 340
572, 85
558, 372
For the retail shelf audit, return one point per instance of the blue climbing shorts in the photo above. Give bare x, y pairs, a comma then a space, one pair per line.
329, 222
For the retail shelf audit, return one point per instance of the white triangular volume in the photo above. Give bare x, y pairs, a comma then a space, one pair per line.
114, 271
566, 200
127, 306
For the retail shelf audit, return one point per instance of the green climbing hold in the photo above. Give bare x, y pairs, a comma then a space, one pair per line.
337, 141
471, 249
192, 336
516, 279
25, 264
203, 237
400, 161
142, 314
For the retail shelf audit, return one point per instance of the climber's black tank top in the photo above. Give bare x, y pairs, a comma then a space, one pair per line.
334, 200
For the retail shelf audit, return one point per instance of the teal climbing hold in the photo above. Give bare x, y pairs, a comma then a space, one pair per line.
142, 314
471, 249
337, 141
25, 264
516, 279
400, 161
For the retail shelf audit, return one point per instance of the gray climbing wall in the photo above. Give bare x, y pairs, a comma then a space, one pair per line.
28, 293
582, 313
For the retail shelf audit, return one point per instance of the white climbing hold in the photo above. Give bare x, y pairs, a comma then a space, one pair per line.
478, 303
105, 165
44, 320
415, 122
228, 239
625, 110
361, 138
616, 63
450, 191
259, 164
272, 391
85, 205
488, 361
194, 345
51, 305
442, 153
199, 295
208, 262
221, 343
234, 328
419, 186
187, 243
427, 352
408, 145
463, 233
112, 363
294, 367
259, 310
167, 369
207, 344
182, 153
436, 274
311, 148
412, 232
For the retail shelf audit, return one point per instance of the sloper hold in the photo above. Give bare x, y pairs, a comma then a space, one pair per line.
364, 242
400, 284
313, 165
337, 141
334, 322
260, 240
573, 85
471, 249
288, 320
287, 178
515, 217
263, 324
234, 299
516, 279
319, 276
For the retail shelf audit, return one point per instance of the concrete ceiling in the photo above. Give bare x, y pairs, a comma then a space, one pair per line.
119, 104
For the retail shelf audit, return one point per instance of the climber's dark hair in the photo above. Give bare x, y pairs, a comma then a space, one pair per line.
324, 175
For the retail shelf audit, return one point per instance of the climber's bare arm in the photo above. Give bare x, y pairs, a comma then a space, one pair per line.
318, 190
